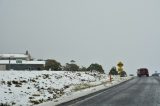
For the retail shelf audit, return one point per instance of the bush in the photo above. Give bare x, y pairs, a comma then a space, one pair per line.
53, 65
113, 71
71, 67
95, 67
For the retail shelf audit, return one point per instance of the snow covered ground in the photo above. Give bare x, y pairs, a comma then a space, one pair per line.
50, 87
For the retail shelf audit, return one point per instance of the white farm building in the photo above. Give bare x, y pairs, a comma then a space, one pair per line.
20, 62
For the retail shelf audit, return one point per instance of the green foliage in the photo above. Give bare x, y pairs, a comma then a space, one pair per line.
83, 69
113, 71
71, 67
72, 61
53, 65
95, 67
123, 74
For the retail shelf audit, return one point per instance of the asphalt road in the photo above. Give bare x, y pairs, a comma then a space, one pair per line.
144, 91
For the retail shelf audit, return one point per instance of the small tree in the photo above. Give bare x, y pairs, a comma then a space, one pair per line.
123, 74
71, 67
113, 71
72, 62
83, 68
95, 67
53, 65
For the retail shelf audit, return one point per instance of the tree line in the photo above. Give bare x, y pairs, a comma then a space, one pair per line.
52, 64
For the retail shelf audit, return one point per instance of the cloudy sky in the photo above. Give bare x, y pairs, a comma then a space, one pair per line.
87, 31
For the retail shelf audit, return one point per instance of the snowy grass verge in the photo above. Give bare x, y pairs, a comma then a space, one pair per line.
28, 88
85, 90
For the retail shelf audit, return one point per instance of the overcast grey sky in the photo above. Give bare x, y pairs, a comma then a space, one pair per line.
87, 31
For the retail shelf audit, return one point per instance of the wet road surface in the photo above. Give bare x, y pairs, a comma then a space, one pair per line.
144, 91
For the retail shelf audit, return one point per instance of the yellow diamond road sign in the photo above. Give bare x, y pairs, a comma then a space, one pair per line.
120, 64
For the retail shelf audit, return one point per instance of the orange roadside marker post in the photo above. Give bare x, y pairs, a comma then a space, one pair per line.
110, 78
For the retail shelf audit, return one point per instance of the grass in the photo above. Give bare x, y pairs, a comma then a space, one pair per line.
79, 87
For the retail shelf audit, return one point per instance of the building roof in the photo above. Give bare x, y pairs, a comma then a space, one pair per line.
13, 56
23, 62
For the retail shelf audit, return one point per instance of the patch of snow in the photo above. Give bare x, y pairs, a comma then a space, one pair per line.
49, 87
13, 55
23, 62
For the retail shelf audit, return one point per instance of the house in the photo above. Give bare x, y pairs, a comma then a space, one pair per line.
20, 61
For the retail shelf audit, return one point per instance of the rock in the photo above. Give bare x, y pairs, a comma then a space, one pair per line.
31, 97
66, 86
23, 81
17, 85
78, 74
45, 76
9, 83
58, 76
36, 94
15, 82
56, 101
83, 80
33, 80
4, 104
54, 96
13, 103
3, 82
35, 102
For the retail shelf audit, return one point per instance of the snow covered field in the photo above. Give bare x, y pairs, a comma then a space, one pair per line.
50, 87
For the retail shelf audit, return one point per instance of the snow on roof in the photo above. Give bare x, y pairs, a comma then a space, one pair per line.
13, 55
23, 62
